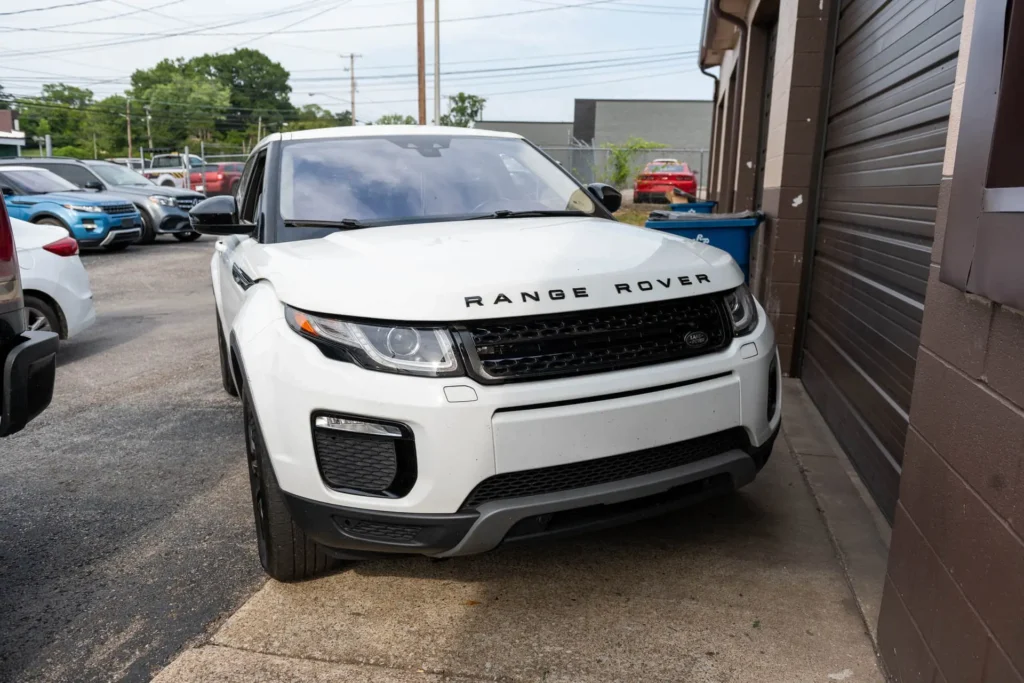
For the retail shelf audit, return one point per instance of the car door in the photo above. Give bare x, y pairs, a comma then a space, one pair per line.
235, 270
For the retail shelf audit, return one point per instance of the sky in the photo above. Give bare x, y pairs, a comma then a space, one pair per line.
529, 58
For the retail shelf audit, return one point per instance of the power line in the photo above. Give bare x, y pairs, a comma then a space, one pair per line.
46, 9
687, 12
97, 19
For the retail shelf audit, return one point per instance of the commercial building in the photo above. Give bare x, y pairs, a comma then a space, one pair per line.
11, 139
882, 139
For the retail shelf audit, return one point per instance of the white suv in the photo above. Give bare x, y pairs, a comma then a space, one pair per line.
444, 342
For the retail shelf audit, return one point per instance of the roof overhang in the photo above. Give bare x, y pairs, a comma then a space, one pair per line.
719, 36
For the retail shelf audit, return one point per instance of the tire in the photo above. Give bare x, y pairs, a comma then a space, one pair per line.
47, 220
167, 183
638, 197
41, 316
226, 380
118, 247
285, 552
148, 231
186, 236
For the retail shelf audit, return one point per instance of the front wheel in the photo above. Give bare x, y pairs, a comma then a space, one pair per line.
286, 553
186, 236
148, 235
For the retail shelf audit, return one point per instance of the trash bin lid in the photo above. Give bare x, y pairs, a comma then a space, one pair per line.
660, 215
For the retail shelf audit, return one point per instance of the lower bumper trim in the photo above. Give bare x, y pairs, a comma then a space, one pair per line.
355, 534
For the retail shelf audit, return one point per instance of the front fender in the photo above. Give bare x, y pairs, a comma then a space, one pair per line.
253, 353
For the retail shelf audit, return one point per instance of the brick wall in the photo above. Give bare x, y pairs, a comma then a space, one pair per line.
953, 603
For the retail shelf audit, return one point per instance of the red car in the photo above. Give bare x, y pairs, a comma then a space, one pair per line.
219, 178
660, 176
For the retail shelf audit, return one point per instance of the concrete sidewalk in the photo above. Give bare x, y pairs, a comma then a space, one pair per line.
747, 588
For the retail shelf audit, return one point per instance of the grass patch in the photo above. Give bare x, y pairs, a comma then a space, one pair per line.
633, 215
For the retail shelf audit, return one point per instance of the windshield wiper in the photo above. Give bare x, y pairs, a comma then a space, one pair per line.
531, 213
343, 224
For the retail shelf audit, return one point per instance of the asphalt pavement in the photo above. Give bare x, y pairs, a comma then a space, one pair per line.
125, 522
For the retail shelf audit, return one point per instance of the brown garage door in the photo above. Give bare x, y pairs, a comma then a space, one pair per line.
889, 106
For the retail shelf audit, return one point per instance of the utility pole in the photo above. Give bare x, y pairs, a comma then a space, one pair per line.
437, 62
149, 133
421, 62
352, 81
128, 120
95, 151
259, 128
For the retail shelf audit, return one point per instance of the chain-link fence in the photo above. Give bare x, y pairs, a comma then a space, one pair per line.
592, 164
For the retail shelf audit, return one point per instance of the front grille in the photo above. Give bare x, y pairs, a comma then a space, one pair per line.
596, 341
603, 470
186, 203
348, 462
118, 208
398, 533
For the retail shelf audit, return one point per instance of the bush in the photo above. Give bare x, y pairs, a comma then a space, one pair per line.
619, 167
72, 151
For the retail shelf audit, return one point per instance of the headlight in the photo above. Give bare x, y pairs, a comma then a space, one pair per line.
426, 351
742, 310
161, 200
84, 208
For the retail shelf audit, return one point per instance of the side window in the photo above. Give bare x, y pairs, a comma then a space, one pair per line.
243, 182
253, 192
77, 175
6, 184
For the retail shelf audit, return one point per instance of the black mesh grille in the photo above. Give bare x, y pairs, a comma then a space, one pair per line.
603, 470
119, 208
598, 341
348, 462
399, 533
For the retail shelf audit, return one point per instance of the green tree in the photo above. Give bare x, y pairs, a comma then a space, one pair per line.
106, 119
463, 110
64, 108
396, 120
258, 85
186, 107
619, 167
311, 116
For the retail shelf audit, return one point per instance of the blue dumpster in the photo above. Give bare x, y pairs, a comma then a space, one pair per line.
694, 207
729, 232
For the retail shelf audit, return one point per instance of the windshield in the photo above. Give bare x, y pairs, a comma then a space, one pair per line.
420, 177
667, 168
38, 181
112, 174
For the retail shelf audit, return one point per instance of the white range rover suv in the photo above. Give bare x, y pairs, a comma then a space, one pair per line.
443, 342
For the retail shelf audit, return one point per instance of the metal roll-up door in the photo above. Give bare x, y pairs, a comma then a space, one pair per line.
889, 104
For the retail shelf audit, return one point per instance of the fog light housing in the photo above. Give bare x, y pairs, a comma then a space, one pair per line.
364, 456
773, 387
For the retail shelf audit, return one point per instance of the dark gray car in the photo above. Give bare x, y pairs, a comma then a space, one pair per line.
164, 209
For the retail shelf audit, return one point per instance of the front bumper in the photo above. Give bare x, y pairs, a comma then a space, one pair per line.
354, 533
170, 220
100, 229
465, 433
29, 368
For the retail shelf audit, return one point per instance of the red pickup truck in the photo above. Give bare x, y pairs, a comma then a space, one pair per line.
218, 178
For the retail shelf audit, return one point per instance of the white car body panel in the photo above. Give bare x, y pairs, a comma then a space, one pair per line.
61, 278
426, 272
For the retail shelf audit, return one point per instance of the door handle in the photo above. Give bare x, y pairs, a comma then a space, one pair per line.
220, 246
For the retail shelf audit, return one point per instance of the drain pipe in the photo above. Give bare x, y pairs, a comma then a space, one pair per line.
741, 25
711, 143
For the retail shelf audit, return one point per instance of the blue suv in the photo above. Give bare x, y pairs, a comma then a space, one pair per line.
95, 219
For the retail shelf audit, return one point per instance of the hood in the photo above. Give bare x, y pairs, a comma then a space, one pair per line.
159, 190
466, 270
80, 198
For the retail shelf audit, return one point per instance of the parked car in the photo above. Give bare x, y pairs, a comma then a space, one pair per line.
218, 178
454, 359
164, 210
168, 170
659, 177
53, 280
94, 219
29, 359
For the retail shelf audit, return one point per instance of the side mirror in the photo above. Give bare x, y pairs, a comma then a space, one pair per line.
94, 185
217, 216
609, 197
7, 191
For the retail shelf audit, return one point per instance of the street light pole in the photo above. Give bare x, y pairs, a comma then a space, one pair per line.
149, 133
421, 62
128, 119
352, 82
437, 62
